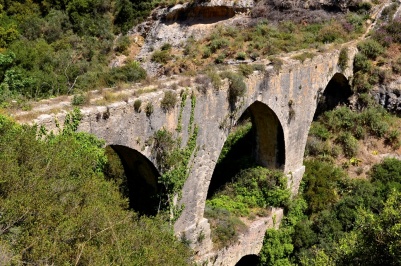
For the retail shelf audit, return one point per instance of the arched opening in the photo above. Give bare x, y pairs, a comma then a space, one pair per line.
257, 140
247, 175
248, 260
137, 181
337, 92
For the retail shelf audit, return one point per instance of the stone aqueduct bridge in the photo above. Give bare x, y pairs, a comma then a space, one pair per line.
282, 106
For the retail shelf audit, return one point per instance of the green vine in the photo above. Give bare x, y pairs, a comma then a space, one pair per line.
175, 161
183, 103
72, 121
192, 117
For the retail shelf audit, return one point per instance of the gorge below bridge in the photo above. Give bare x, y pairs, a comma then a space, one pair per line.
282, 104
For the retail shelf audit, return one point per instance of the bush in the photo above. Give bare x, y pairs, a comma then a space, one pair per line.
220, 58
387, 171
237, 86
245, 69
343, 59
362, 63
161, 57
204, 82
149, 109
241, 56
169, 100
137, 105
78, 100
166, 47
217, 44
370, 48
225, 227
215, 79
348, 143
131, 72
122, 44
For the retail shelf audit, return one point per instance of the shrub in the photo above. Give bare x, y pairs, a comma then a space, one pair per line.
319, 184
362, 63
348, 143
161, 57
237, 86
165, 47
302, 57
131, 72
277, 63
122, 44
343, 59
241, 56
331, 32
245, 69
217, 44
370, 48
361, 83
137, 105
396, 66
225, 227
78, 99
169, 100
206, 52
149, 109
203, 81
220, 58
215, 79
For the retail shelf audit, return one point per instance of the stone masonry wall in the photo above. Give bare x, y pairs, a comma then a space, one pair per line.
295, 87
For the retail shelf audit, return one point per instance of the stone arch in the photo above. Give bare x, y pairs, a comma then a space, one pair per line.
141, 186
337, 92
264, 142
248, 260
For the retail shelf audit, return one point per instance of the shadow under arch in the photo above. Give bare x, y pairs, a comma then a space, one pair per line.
337, 92
262, 145
248, 260
141, 183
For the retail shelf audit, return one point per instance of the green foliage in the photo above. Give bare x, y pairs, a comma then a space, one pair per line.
343, 59
161, 56
237, 86
370, 48
56, 206
149, 109
130, 72
320, 185
173, 161
302, 57
78, 100
245, 69
252, 188
361, 63
169, 101
227, 227
137, 105
122, 44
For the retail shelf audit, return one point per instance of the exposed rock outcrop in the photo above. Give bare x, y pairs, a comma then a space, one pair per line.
389, 96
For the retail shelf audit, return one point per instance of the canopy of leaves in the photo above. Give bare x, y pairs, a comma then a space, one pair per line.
57, 208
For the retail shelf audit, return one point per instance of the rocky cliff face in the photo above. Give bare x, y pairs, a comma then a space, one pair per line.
389, 96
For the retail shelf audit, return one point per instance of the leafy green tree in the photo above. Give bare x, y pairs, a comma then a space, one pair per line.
56, 206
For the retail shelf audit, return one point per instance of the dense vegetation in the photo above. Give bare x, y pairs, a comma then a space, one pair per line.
241, 188
61, 47
57, 206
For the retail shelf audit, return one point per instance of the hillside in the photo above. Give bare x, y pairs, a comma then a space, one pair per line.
199, 112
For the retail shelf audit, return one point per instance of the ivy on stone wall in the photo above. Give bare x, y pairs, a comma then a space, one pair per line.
174, 161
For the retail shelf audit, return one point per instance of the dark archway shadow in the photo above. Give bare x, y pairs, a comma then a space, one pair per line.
261, 145
140, 183
337, 92
248, 260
